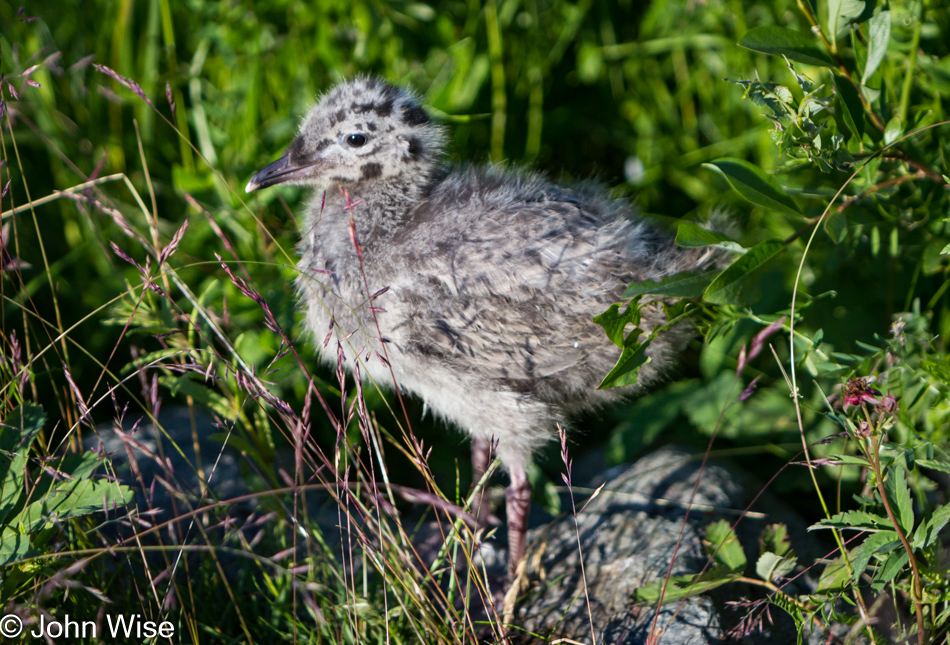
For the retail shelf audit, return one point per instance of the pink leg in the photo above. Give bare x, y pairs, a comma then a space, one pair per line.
518, 498
480, 457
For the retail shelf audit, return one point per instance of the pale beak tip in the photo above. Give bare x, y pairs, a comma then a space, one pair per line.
251, 186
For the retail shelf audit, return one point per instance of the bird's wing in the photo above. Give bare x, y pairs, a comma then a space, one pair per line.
511, 295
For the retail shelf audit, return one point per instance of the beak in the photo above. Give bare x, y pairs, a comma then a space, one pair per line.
277, 173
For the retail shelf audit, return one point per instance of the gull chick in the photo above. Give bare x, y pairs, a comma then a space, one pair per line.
493, 276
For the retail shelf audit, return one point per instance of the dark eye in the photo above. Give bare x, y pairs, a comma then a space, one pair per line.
356, 140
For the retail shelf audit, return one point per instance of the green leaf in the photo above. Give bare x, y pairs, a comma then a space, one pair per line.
12, 493
891, 567
898, 494
13, 546
938, 520
73, 499
754, 185
82, 465
836, 226
628, 366
893, 131
691, 235
723, 546
770, 565
882, 542
685, 586
17, 433
688, 284
858, 520
21, 427
615, 322
834, 577
879, 35
853, 112
739, 283
841, 13
934, 464
186, 384
779, 41
775, 539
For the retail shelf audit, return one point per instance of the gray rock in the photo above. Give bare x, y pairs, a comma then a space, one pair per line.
628, 535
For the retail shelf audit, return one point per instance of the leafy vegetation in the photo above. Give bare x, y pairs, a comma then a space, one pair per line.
134, 276
855, 145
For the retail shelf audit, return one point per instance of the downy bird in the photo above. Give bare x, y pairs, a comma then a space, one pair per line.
483, 279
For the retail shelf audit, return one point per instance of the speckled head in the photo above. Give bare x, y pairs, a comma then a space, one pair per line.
362, 130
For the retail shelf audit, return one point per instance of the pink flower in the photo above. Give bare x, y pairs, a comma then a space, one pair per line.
889, 403
857, 391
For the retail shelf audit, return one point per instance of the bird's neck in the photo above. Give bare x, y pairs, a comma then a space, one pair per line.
379, 208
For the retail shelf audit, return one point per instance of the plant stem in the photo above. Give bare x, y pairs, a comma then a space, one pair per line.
911, 63
816, 28
917, 595
499, 98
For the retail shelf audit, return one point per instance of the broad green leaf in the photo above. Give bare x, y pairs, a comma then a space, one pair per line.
841, 13
770, 565
614, 322
834, 577
17, 433
934, 464
879, 34
13, 545
891, 567
836, 225
872, 94
688, 284
775, 539
854, 520
82, 465
895, 485
883, 542
779, 41
739, 283
853, 110
754, 185
691, 235
724, 547
685, 586
21, 427
12, 493
938, 520
893, 131
186, 384
73, 499
628, 366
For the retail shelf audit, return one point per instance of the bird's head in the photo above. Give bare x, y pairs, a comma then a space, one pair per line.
362, 130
